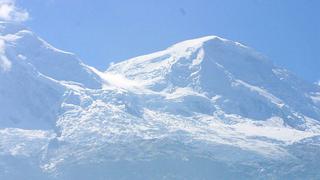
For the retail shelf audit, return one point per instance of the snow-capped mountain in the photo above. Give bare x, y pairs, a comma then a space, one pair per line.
202, 109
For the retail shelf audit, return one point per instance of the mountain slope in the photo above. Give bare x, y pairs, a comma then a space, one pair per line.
242, 81
31, 76
204, 108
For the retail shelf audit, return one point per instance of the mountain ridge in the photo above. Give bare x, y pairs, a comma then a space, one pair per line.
203, 101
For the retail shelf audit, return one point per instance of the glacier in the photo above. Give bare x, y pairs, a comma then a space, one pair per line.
207, 108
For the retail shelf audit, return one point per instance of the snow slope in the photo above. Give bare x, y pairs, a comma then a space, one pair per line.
31, 76
206, 108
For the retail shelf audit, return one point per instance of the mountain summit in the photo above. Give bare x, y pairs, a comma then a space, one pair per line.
202, 109
242, 81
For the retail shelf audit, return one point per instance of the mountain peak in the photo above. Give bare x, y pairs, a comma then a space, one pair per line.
197, 42
217, 67
203, 42
190, 57
22, 46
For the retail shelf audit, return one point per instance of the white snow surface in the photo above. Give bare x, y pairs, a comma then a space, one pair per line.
197, 95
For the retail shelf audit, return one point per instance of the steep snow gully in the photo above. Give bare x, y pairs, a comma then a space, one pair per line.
207, 108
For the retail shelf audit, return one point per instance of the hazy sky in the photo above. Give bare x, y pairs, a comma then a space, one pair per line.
102, 31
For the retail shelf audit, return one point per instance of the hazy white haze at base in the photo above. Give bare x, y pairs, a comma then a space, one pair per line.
206, 108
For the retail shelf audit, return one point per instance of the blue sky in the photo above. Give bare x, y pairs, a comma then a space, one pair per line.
104, 31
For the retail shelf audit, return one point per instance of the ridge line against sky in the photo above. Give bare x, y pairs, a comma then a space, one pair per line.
102, 32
